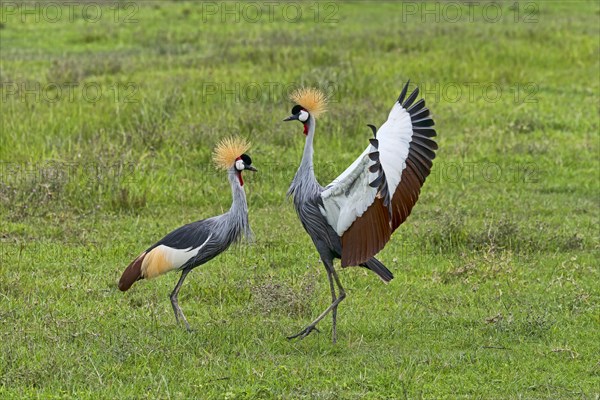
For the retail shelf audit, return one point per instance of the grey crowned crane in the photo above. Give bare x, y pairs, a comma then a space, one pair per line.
197, 243
354, 216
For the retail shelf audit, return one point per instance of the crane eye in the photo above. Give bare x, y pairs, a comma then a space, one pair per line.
239, 165
303, 117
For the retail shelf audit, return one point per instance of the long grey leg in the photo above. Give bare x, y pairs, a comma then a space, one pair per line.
175, 303
336, 300
342, 297
339, 284
334, 311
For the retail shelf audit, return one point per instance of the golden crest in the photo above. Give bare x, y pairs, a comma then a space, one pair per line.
312, 99
228, 150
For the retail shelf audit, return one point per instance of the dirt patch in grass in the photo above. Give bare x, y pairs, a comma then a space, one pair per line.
273, 295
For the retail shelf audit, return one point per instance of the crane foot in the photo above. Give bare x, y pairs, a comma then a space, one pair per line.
304, 332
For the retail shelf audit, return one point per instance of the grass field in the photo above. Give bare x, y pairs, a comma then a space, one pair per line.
109, 114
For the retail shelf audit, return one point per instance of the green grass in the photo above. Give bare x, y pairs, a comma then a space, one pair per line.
496, 292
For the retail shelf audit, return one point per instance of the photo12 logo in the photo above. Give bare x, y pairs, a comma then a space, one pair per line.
54, 171
470, 11
472, 92
253, 92
53, 92
485, 171
269, 11
68, 11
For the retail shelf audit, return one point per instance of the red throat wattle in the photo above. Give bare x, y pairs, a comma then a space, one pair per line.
305, 129
239, 173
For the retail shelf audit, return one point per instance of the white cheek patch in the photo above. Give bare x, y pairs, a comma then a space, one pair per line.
239, 165
303, 117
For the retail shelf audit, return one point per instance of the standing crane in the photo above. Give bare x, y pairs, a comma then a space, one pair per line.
354, 216
197, 243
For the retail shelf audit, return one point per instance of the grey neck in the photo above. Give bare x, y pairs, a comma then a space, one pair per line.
305, 183
306, 165
237, 215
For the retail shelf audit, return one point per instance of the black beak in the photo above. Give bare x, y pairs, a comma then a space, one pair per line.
292, 117
250, 168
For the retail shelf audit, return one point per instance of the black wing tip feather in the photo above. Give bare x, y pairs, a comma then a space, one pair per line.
419, 114
417, 106
423, 123
380, 182
374, 129
377, 181
428, 132
411, 98
403, 92
422, 147
423, 130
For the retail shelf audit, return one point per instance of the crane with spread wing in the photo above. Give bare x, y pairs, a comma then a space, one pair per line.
354, 216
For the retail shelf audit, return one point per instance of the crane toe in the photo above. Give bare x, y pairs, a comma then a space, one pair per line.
304, 332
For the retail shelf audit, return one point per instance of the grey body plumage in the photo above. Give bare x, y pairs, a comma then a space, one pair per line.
223, 230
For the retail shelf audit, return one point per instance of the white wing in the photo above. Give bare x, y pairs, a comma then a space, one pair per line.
373, 196
349, 195
394, 137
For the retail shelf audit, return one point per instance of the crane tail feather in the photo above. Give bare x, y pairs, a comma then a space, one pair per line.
132, 273
377, 266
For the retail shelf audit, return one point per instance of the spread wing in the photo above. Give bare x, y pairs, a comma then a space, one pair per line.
373, 196
350, 194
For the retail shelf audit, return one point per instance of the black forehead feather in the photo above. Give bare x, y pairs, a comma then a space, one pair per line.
296, 109
246, 159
